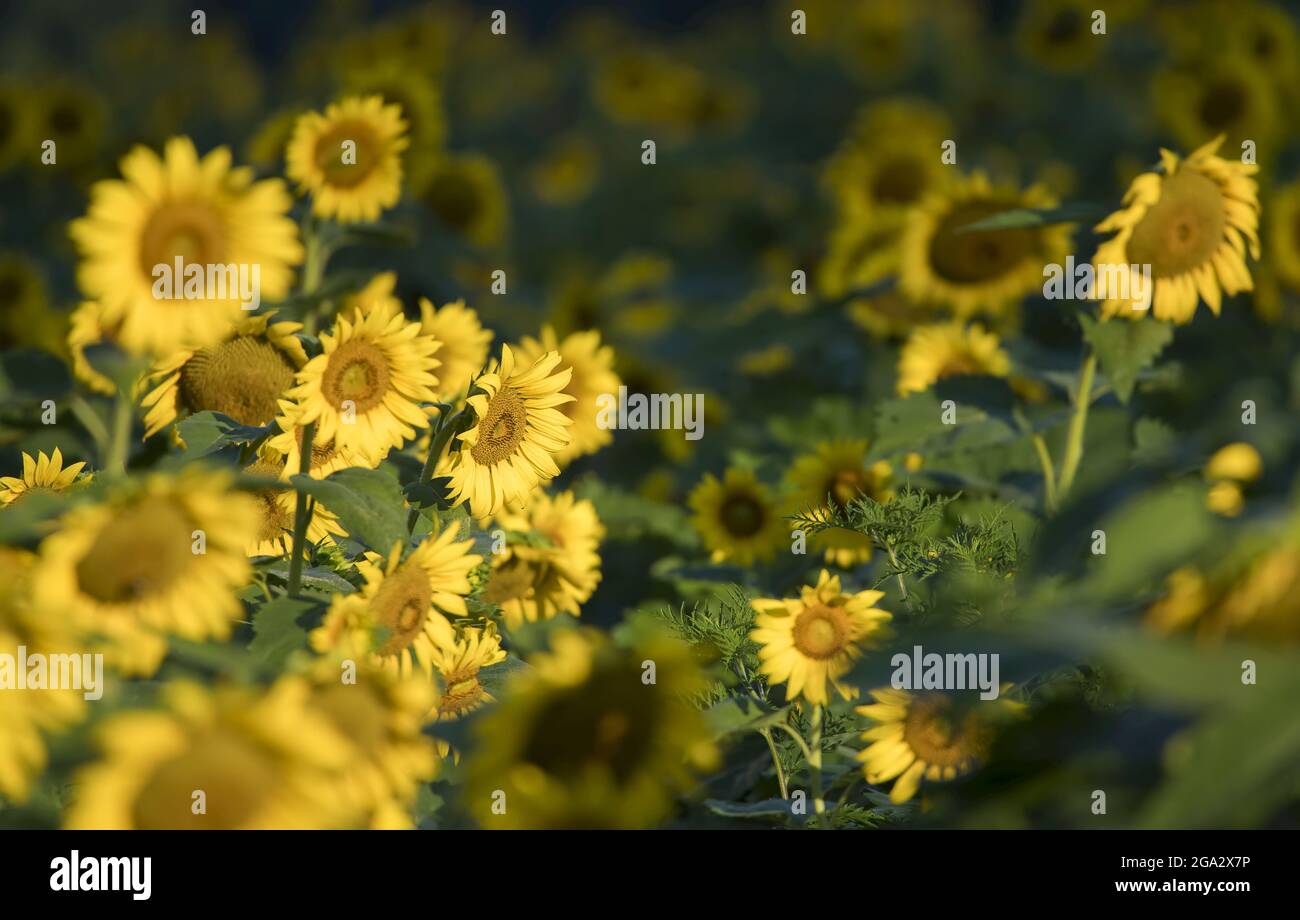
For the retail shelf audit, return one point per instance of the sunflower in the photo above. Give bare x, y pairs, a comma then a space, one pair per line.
86, 329
364, 391
378, 291
17, 119
418, 99
593, 376
518, 430
1257, 600
737, 518
230, 758
566, 171
349, 159
1187, 223
862, 251
539, 580
1220, 95
26, 319
976, 271
838, 471
941, 350
267, 146
927, 735
459, 654
180, 207
42, 474
1057, 34
161, 557
393, 619
274, 536
583, 740
1284, 236
73, 116
464, 344
244, 375
466, 193
811, 641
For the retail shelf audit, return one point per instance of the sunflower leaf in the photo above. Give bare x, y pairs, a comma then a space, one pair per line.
207, 432
368, 503
1126, 348
276, 633
1021, 218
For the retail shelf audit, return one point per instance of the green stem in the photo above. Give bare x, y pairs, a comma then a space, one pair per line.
815, 760
120, 435
1049, 473
1074, 439
893, 560
91, 421
301, 513
437, 444
313, 272
776, 761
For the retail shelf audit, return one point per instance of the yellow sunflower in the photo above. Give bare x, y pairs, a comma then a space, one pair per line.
393, 619
978, 271
941, 350
1284, 236
862, 250
566, 171
349, 158
927, 735
164, 556
233, 758
181, 207
364, 391
1223, 94
464, 341
274, 536
244, 375
839, 470
810, 642
466, 193
737, 518
415, 95
592, 365
586, 739
72, 115
40, 474
1191, 224
1057, 34
85, 329
887, 315
518, 430
556, 575
459, 654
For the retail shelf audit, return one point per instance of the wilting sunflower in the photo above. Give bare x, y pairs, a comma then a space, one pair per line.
85, 329
197, 210
40, 474
233, 758
464, 344
593, 376
518, 430
941, 350
459, 653
243, 376
838, 472
737, 518
1191, 223
554, 575
927, 735
274, 536
466, 193
393, 618
585, 739
161, 557
349, 158
977, 271
364, 391
810, 642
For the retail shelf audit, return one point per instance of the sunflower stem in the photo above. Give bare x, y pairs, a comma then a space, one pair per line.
301, 514
815, 760
437, 444
313, 272
119, 435
1049, 473
776, 761
1078, 421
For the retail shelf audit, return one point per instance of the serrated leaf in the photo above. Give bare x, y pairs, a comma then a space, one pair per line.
276, 632
368, 503
1125, 348
736, 715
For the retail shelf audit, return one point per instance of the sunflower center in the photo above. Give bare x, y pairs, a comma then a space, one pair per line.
1222, 104
401, 606
821, 632
899, 180
742, 515
463, 694
981, 255
1064, 27
235, 777
347, 167
138, 555
455, 201
1183, 229
509, 582
502, 427
241, 378
11, 290
357, 372
941, 734
65, 119
607, 723
188, 229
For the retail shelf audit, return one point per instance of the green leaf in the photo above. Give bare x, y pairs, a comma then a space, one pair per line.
1022, 218
1125, 348
737, 715
206, 432
368, 503
768, 808
276, 633
1153, 440
1148, 536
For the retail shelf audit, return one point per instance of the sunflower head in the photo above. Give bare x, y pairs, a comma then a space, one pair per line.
459, 654
592, 368
932, 353
467, 195
837, 472
464, 341
737, 517
40, 474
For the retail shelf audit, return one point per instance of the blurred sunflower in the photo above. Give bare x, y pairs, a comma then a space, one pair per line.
180, 207
466, 193
1267, 36
932, 353
837, 471
26, 318
243, 375
1217, 95
464, 341
274, 536
861, 251
808, 643
630, 298
927, 735
543, 578
349, 158
393, 618
737, 518
40, 474
85, 329
163, 556
1057, 34
1259, 600
459, 654
416, 96
593, 376
364, 391
986, 271
262, 759
1283, 240
1188, 223
72, 115
887, 315
566, 171
518, 431
16, 126
583, 740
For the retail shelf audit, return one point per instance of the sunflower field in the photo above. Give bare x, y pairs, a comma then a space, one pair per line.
818, 414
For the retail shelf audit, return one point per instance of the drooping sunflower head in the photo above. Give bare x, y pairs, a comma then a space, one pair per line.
810, 642
583, 740
518, 430
349, 158
837, 472
928, 735
738, 518
1191, 224
976, 271
934, 352
200, 211
593, 376
459, 654
466, 193
40, 474
464, 341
